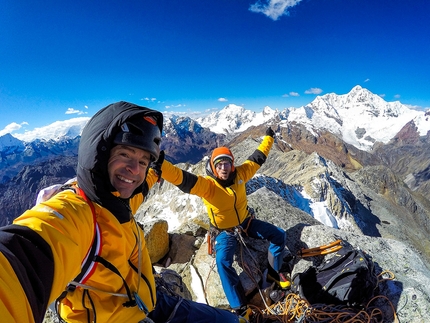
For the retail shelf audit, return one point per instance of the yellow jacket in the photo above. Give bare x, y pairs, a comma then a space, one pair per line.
65, 223
42, 251
226, 205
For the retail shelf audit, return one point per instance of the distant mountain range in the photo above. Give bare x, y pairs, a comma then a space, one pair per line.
359, 117
353, 131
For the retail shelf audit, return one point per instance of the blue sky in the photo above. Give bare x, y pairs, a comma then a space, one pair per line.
64, 59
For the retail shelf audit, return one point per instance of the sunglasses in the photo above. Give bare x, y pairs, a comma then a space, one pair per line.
223, 165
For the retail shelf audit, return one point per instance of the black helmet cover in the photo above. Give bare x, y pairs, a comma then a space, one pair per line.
118, 123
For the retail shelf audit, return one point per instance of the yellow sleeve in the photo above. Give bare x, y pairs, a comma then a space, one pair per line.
151, 178
171, 173
248, 169
66, 223
14, 306
266, 145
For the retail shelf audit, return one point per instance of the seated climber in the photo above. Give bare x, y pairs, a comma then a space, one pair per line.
224, 193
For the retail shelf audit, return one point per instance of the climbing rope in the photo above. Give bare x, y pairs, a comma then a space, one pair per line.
294, 309
205, 285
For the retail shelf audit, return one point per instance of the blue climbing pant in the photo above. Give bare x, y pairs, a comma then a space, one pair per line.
225, 247
175, 309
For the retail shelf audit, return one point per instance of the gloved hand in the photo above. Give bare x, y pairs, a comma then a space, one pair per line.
270, 132
156, 165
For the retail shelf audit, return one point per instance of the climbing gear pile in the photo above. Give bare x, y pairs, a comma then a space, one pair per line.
294, 309
287, 306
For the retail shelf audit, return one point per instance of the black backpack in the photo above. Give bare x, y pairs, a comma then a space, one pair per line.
347, 278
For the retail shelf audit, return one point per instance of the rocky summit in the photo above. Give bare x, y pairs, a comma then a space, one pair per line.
316, 202
350, 167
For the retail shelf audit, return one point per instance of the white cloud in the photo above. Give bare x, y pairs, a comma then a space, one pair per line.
366, 80
174, 106
417, 107
294, 94
73, 111
397, 96
149, 99
12, 127
222, 100
190, 113
273, 8
313, 90
382, 95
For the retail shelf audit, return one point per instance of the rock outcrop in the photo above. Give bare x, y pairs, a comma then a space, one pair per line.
409, 292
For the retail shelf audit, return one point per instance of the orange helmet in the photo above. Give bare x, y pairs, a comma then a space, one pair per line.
219, 154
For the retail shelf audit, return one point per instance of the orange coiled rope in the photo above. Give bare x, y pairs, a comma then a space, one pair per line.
294, 309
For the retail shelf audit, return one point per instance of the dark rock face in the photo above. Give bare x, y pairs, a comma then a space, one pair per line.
20, 193
185, 141
407, 154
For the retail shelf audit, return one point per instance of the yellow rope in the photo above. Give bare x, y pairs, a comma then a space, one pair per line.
296, 309
385, 275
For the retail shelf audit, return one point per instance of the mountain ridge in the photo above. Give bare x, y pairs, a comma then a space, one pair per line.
186, 140
235, 119
314, 172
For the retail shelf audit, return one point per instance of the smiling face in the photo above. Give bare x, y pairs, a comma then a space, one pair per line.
127, 168
223, 169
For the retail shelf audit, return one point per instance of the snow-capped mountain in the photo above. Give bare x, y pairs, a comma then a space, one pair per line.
234, 119
59, 130
178, 125
185, 140
8, 141
360, 117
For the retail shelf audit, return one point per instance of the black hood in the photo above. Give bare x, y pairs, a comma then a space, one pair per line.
96, 142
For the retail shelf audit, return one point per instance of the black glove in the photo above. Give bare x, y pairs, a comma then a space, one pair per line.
270, 132
156, 165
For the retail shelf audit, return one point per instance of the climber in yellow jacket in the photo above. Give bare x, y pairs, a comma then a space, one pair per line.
224, 193
42, 252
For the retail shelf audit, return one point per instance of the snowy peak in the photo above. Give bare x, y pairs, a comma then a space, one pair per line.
373, 104
233, 118
8, 141
227, 120
269, 112
358, 101
178, 125
68, 129
359, 117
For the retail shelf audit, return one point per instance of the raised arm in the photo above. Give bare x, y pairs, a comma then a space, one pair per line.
258, 157
184, 180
